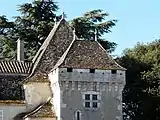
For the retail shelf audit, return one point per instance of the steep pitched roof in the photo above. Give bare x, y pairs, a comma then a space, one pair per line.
42, 110
89, 54
15, 67
53, 48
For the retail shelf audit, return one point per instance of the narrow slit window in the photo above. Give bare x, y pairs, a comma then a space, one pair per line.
92, 70
114, 71
78, 115
69, 69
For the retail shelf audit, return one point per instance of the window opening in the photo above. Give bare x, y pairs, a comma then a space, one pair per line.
87, 96
78, 115
94, 97
69, 69
95, 105
87, 104
114, 71
92, 70
91, 101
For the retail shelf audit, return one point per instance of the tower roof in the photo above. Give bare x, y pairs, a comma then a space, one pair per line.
89, 54
44, 110
55, 45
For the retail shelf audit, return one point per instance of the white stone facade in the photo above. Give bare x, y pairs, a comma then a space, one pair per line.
36, 93
70, 88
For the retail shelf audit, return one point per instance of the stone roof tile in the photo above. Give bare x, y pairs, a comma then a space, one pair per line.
44, 111
89, 54
15, 67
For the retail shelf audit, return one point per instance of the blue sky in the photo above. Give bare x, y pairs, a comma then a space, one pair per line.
138, 20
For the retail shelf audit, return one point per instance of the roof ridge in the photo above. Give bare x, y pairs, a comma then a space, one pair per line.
42, 49
63, 57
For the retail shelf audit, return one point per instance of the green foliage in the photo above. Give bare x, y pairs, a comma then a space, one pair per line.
10, 88
36, 21
94, 20
5, 26
141, 94
9, 48
33, 26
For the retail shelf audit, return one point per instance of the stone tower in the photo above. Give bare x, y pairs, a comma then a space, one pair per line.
86, 83
89, 84
68, 79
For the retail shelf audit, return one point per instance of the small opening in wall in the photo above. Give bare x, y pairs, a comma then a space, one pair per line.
78, 115
95, 104
120, 73
69, 69
87, 104
92, 70
94, 97
87, 96
114, 71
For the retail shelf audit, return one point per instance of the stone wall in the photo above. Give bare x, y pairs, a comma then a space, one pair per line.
11, 110
99, 75
109, 86
53, 77
35, 93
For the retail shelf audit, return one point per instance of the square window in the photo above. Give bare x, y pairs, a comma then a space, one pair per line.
69, 69
92, 70
87, 96
94, 104
94, 97
113, 71
87, 104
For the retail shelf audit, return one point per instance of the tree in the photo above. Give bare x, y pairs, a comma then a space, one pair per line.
33, 26
141, 95
5, 26
92, 21
5, 29
37, 19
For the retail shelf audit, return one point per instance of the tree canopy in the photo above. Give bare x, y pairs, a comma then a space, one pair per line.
36, 21
141, 95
